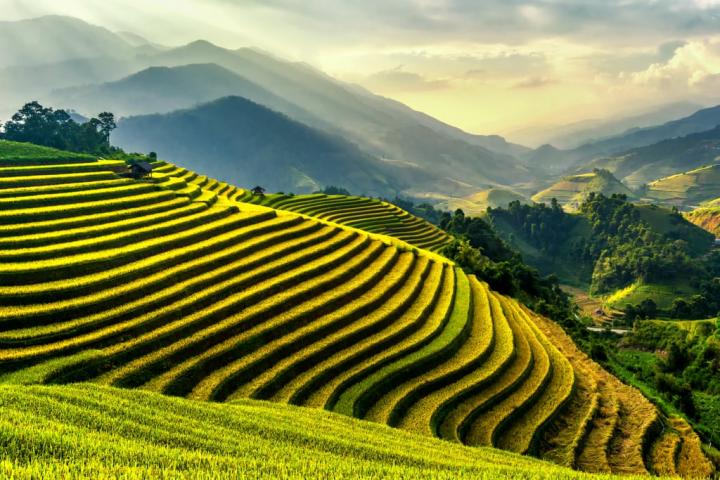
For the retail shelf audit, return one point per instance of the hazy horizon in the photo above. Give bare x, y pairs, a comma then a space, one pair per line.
487, 67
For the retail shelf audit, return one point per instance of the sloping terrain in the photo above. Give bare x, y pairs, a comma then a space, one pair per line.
70, 435
687, 190
239, 141
707, 216
662, 149
362, 213
165, 89
571, 191
171, 285
668, 157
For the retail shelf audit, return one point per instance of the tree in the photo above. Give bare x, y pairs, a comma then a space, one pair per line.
107, 125
55, 128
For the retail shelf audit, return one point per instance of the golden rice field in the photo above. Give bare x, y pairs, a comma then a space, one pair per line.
366, 214
175, 285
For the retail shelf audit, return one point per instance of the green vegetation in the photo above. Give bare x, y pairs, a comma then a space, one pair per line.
678, 363
176, 285
40, 125
571, 192
688, 189
89, 431
681, 146
640, 252
367, 214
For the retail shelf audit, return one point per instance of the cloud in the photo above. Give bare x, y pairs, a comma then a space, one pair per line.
397, 79
534, 82
695, 66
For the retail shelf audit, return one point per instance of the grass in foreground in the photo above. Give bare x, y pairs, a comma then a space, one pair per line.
83, 431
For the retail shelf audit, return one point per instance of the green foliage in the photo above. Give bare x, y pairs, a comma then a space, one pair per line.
477, 249
681, 368
333, 190
86, 431
55, 128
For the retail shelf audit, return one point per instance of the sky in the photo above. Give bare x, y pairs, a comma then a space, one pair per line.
487, 66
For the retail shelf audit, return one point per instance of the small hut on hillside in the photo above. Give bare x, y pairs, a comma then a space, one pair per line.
140, 170
258, 191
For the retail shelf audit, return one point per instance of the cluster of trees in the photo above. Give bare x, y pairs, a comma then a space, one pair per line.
544, 226
620, 249
56, 128
480, 251
685, 362
626, 249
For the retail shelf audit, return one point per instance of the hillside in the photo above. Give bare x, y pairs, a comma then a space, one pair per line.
362, 213
165, 89
707, 217
572, 190
668, 157
245, 439
477, 203
79, 40
687, 190
582, 132
173, 286
239, 141
596, 248
626, 154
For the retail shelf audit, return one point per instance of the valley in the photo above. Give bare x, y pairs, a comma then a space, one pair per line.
231, 254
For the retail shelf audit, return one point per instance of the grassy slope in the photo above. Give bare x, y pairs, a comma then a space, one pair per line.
221, 301
687, 189
476, 203
14, 151
83, 431
572, 190
662, 294
707, 217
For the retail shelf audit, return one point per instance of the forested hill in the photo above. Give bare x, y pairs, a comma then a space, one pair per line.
609, 244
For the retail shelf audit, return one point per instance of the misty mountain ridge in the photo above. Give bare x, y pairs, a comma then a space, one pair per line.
236, 140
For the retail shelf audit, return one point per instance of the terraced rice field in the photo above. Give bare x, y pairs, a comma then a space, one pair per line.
359, 212
86, 431
174, 286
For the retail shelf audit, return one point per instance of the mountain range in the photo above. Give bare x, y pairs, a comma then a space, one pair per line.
413, 153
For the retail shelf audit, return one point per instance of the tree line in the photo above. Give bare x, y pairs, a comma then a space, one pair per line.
41, 125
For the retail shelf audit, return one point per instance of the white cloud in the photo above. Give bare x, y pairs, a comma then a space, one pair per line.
694, 66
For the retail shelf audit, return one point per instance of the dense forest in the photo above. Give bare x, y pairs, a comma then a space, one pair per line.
617, 243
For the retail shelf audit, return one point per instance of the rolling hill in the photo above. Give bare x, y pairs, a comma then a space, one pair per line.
687, 190
432, 155
66, 437
668, 157
631, 156
572, 190
239, 141
172, 285
707, 216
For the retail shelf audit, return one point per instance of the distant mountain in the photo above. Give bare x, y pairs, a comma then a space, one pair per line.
553, 161
576, 134
54, 39
239, 141
165, 89
699, 121
668, 157
572, 190
454, 162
